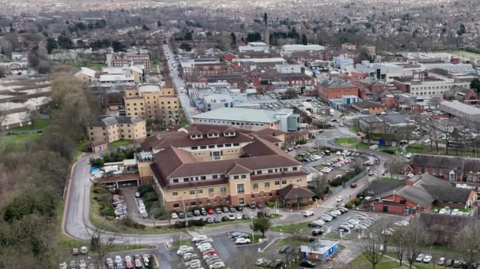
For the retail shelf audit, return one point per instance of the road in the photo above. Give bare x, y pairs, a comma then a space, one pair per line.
179, 85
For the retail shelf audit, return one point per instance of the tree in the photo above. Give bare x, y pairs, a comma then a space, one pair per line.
435, 101
145, 28
415, 238
372, 246
233, 42
185, 46
475, 84
399, 242
304, 39
365, 55
51, 44
3, 72
395, 167
118, 46
101, 244
262, 225
290, 94
63, 42
467, 244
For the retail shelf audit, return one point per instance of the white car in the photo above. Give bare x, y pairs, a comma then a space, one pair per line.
339, 199
200, 237
326, 218
260, 261
217, 265
202, 245
118, 259
63, 265
427, 259
455, 211
409, 155
182, 251
420, 258
129, 259
239, 216
174, 216
242, 241
231, 217
308, 213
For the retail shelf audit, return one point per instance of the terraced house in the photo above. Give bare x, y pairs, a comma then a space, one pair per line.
202, 165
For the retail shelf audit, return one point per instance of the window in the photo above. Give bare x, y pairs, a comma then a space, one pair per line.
220, 146
299, 180
253, 196
259, 172
236, 144
270, 171
285, 169
194, 148
223, 189
240, 188
295, 168
175, 180
215, 176
199, 191
211, 190
193, 203
255, 185
244, 176
211, 146
235, 177
284, 182
203, 147
175, 193
176, 205
192, 192
185, 179
267, 184
277, 183
228, 145
203, 177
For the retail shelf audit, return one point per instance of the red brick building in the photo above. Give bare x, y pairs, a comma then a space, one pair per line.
448, 167
334, 89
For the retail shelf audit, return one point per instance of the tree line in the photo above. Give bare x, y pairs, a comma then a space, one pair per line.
33, 177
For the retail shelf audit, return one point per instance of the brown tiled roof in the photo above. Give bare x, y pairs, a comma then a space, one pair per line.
195, 184
213, 131
268, 131
195, 132
171, 158
270, 138
204, 128
262, 147
238, 169
294, 191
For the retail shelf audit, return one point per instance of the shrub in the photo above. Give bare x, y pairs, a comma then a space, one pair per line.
142, 189
349, 205
389, 151
132, 224
302, 142
270, 203
357, 201
107, 211
150, 197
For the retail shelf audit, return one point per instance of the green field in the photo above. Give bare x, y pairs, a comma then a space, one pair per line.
463, 53
18, 140
345, 141
37, 125
120, 143
290, 228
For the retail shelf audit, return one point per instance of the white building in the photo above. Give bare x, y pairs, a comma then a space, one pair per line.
288, 68
430, 86
460, 110
301, 48
254, 46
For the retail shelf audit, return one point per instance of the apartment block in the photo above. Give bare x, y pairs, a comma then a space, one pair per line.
204, 164
152, 103
121, 59
110, 129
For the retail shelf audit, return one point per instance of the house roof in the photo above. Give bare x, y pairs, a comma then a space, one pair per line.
448, 194
445, 162
337, 84
416, 195
293, 191
105, 121
86, 71
239, 115
238, 169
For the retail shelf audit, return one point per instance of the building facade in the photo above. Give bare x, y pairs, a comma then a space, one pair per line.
111, 129
203, 165
152, 103
335, 89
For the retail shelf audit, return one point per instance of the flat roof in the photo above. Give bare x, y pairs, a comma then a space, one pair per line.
466, 109
239, 114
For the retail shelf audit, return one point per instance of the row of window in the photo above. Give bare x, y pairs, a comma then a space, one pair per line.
233, 122
228, 145
240, 187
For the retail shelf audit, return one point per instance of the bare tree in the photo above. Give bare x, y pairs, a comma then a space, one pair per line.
399, 242
372, 246
395, 167
320, 181
101, 243
415, 237
446, 126
467, 244
3, 117
435, 101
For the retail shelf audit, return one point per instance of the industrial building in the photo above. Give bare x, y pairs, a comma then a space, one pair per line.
460, 110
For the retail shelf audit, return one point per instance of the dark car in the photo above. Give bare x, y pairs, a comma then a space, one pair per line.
316, 232
208, 220
276, 263
181, 215
190, 214
218, 210
307, 264
245, 216
203, 211
283, 249
216, 220
232, 209
457, 263
353, 185
314, 225
240, 208
225, 209
449, 263
253, 206
224, 218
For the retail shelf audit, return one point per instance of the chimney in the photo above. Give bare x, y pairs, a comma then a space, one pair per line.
266, 34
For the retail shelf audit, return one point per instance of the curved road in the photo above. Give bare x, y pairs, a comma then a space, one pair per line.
76, 223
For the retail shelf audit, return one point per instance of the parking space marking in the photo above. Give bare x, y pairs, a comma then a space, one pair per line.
269, 244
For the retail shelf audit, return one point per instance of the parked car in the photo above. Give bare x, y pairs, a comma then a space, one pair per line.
196, 212
242, 241
209, 220
217, 220
73, 265
308, 213
284, 249
75, 251
118, 259
210, 211
307, 264
174, 215
441, 261
181, 215
419, 258
427, 259
253, 206
63, 265
83, 250
224, 218
231, 217
232, 209
225, 209
316, 232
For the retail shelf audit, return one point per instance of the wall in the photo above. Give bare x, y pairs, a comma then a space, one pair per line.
327, 94
376, 110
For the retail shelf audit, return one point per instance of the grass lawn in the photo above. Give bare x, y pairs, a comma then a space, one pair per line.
388, 265
120, 143
290, 228
361, 145
362, 262
19, 139
390, 179
337, 237
255, 238
177, 244
356, 129
37, 125
345, 141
